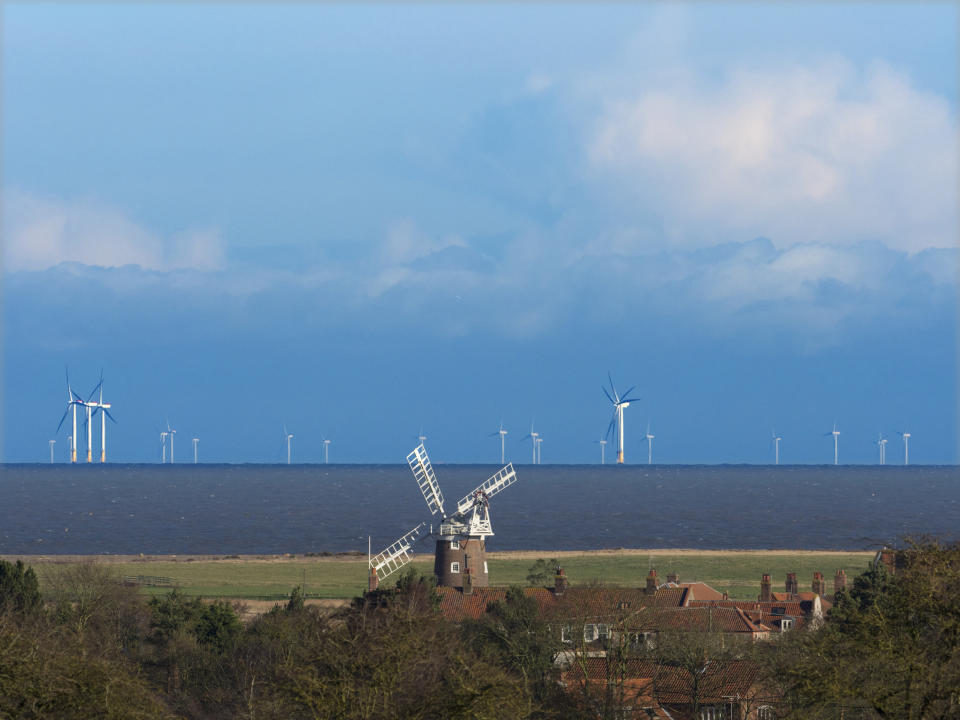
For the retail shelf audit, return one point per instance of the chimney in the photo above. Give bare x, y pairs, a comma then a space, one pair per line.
765, 595
373, 582
559, 582
793, 587
818, 584
467, 582
839, 582
652, 581
888, 556
673, 578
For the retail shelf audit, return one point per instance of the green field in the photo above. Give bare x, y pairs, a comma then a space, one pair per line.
736, 572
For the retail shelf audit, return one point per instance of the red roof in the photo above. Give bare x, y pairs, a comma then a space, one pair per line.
669, 684
594, 603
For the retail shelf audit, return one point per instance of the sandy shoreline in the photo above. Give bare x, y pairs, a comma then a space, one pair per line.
355, 557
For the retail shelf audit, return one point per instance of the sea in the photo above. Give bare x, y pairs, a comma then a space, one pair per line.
273, 509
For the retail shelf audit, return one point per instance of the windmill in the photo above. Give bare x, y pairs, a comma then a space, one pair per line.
532, 437
906, 447
287, 437
72, 401
619, 404
836, 443
461, 541
775, 439
103, 408
603, 445
503, 442
421, 437
649, 438
196, 441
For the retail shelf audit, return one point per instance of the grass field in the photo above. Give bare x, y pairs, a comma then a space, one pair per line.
272, 577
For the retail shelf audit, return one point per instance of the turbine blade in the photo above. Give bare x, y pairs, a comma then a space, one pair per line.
613, 420
608, 395
94, 391
610, 378
65, 413
109, 415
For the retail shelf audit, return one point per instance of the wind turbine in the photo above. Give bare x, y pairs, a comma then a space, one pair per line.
619, 404
882, 445
649, 439
171, 432
52, 443
326, 451
288, 437
532, 437
196, 441
602, 444
539, 442
503, 442
906, 447
103, 407
72, 401
836, 443
776, 443
163, 446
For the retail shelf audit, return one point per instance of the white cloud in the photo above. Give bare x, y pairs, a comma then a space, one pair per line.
821, 154
39, 233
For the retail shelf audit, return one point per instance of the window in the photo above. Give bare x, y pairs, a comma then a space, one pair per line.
603, 632
589, 633
565, 634
786, 624
454, 544
713, 712
765, 712
454, 567
485, 566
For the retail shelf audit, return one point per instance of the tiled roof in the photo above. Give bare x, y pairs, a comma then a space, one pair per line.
669, 684
702, 591
589, 603
703, 618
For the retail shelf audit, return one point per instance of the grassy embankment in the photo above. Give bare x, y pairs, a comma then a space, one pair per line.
272, 577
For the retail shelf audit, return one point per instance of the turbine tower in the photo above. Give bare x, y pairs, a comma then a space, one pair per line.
104, 408
603, 444
503, 442
906, 447
326, 451
620, 403
288, 437
836, 443
72, 401
882, 446
52, 443
196, 441
171, 432
649, 439
776, 447
532, 437
539, 442
163, 446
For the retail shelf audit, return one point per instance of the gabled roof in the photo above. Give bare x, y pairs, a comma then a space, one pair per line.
704, 618
702, 591
591, 604
669, 684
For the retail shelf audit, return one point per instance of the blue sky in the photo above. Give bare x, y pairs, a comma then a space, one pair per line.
363, 220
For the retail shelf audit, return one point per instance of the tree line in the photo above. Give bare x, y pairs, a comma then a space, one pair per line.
89, 647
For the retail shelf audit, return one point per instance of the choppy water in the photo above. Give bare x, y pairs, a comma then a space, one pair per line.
226, 509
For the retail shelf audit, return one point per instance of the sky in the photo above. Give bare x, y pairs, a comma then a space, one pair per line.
369, 222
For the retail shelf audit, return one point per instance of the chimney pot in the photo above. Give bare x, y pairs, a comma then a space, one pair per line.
652, 581
765, 588
560, 582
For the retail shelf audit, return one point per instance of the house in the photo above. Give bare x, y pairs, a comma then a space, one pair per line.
714, 690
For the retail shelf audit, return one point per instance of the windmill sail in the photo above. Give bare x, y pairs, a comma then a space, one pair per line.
396, 555
504, 478
426, 480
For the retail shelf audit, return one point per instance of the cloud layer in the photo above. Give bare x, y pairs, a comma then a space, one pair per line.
821, 153
40, 233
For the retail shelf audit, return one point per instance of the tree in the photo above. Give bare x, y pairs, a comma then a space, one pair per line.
541, 573
891, 645
19, 588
